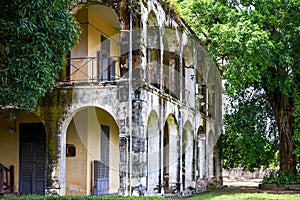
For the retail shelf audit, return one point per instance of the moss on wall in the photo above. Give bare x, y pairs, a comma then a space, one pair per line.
51, 111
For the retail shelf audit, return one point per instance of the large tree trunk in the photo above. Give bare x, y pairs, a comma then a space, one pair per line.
282, 107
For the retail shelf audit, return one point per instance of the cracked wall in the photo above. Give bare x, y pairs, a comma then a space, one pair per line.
168, 70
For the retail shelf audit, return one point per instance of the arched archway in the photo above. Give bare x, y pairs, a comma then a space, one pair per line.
201, 164
154, 152
171, 155
153, 51
92, 160
214, 98
188, 74
210, 154
96, 57
171, 62
187, 155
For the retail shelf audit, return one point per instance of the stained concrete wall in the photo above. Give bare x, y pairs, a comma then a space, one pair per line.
154, 107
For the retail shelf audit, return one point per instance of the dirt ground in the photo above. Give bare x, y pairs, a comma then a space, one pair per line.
245, 189
249, 186
245, 182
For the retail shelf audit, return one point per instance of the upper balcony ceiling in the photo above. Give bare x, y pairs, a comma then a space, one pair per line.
106, 14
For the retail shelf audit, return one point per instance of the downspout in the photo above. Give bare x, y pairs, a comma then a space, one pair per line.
160, 113
195, 121
130, 97
180, 179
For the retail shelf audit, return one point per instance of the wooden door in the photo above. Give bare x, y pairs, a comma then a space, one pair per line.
32, 172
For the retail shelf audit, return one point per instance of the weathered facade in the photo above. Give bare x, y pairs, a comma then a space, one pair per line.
136, 111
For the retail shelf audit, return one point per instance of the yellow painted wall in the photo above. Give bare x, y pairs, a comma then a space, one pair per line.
9, 141
92, 28
84, 133
93, 147
81, 48
9, 147
100, 27
76, 171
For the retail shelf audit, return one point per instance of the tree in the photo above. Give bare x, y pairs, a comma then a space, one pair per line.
256, 43
250, 138
35, 36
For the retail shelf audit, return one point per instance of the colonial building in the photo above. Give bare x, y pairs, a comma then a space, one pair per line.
136, 111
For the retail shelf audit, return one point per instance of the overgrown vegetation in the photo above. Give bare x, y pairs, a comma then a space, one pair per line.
251, 137
256, 44
35, 36
279, 177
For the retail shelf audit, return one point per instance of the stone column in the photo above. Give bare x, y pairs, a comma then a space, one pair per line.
123, 166
138, 164
202, 157
139, 130
124, 137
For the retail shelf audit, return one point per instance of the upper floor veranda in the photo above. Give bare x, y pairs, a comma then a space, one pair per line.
164, 58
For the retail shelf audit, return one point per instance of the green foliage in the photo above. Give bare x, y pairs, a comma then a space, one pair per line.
35, 36
297, 128
250, 138
257, 42
281, 178
257, 45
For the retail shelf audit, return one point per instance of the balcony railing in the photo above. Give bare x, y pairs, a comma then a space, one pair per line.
6, 179
93, 69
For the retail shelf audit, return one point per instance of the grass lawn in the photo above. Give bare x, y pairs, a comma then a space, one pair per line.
229, 193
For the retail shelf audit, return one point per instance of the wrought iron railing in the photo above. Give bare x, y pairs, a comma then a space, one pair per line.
93, 69
6, 179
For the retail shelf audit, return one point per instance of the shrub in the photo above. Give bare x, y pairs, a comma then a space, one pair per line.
280, 178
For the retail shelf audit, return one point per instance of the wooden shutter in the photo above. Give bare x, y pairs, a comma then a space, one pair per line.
101, 167
26, 168
39, 169
32, 159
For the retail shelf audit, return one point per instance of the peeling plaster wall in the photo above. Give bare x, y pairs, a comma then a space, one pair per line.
147, 99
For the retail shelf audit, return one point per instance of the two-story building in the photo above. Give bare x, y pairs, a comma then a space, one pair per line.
137, 110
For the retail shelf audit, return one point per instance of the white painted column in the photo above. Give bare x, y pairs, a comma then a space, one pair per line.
202, 157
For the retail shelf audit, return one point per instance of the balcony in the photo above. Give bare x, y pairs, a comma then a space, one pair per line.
93, 70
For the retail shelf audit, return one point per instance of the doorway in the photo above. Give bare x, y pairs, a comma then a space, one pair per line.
107, 65
32, 155
101, 168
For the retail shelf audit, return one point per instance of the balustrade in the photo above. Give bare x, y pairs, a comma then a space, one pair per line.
93, 69
6, 179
